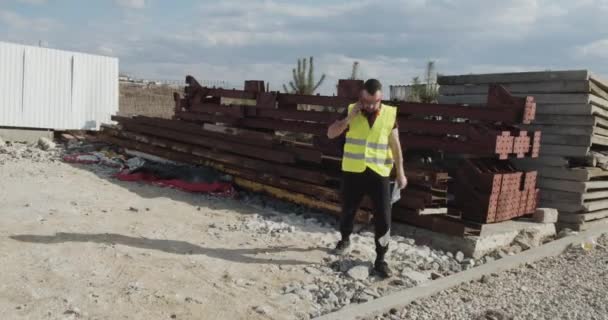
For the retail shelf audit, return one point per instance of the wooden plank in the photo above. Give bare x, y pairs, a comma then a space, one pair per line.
571, 186
582, 217
530, 88
564, 151
515, 77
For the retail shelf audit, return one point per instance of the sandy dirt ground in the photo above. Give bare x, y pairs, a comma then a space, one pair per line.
75, 244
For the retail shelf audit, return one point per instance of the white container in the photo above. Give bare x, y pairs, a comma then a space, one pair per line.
55, 89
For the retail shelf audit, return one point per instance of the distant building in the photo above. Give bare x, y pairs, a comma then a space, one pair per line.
400, 92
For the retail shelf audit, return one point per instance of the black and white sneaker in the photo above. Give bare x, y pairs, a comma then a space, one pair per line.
382, 270
341, 247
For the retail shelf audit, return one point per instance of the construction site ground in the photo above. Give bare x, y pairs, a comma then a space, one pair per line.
75, 243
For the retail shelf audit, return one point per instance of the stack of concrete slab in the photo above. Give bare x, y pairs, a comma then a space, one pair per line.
572, 114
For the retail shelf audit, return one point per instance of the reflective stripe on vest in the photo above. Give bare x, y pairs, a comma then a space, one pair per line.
362, 142
360, 156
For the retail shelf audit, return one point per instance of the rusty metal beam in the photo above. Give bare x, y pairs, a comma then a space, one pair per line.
140, 141
213, 143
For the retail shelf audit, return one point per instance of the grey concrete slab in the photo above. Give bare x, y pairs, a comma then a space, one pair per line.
585, 109
529, 88
24, 135
480, 99
534, 163
402, 298
563, 151
515, 77
570, 186
582, 217
558, 119
587, 225
598, 90
573, 174
598, 81
573, 197
492, 236
562, 129
571, 140
599, 140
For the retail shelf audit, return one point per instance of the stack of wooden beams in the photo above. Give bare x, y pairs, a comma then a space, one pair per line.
572, 114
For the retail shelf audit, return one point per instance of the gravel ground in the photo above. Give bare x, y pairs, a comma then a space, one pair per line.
573, 285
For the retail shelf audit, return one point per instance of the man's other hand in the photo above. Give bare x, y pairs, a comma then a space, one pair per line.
401, 181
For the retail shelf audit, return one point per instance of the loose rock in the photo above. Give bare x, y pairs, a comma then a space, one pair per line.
46, 144
459, 256
358, 272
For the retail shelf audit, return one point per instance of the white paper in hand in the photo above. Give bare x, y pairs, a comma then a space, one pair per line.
396, 194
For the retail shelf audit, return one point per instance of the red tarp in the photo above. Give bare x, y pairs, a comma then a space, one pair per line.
218, 188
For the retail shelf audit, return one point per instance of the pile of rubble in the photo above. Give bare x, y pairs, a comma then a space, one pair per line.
43, 151
341, 280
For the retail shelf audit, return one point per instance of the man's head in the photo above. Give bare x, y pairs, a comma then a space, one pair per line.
371, 95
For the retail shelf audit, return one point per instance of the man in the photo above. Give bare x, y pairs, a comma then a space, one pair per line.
371, 147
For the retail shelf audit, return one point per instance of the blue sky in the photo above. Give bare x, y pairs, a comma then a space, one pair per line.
251, 39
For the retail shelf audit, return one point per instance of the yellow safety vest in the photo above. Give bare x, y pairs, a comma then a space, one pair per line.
367, 147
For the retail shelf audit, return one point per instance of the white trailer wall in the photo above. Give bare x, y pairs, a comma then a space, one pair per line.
54, 89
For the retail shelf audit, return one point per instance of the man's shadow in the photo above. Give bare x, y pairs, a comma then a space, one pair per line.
171, 246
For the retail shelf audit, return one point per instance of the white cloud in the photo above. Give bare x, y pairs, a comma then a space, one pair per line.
595, 49
17, 21
392, 39
105, 50
36, 2
280, 8
132, 4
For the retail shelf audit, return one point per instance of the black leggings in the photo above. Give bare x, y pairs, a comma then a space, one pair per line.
354, 187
